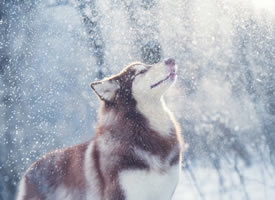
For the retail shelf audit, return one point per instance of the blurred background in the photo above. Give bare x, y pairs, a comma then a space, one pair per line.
50, 51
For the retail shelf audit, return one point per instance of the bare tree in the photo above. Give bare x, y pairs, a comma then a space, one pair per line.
146, 42
10, 14
91, 20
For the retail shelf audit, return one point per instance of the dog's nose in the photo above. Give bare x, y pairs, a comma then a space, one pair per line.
170, 61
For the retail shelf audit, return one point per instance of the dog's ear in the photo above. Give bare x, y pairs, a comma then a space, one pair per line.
105, 89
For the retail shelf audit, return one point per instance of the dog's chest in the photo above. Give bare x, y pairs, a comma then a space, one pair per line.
158, 182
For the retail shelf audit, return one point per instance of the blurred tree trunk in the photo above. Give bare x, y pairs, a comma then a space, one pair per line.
91, 20
9, 175
269, 120
11, 13
144, 22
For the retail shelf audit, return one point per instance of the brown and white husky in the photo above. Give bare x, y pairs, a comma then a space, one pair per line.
135, 154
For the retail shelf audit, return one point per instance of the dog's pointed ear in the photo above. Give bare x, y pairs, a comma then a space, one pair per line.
105, 89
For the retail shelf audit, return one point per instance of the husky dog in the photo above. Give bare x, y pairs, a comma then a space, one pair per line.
135, 154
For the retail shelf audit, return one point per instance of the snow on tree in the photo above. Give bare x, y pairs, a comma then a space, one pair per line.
51, 50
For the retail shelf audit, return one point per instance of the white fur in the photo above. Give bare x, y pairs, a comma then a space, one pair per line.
92, 188
61, 192
155, 162
156, 114
159, 182
106, 144
142, 83
139, 67
106, 88
65, 193
149, 184
108, 118
22, 189
149, 100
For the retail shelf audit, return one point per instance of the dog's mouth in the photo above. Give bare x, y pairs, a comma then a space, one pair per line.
170, 63
171, 76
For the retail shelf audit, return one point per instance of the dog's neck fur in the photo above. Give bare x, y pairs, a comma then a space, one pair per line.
154, 112
137, 146
157, 114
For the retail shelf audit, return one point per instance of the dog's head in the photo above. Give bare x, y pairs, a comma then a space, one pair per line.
137, 82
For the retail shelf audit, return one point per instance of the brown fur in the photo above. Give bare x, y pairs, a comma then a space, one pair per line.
62, 166
130, 129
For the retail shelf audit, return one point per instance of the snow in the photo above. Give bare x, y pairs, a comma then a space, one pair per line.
224, 97
258, 184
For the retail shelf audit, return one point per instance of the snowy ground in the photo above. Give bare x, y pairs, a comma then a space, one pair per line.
258, 184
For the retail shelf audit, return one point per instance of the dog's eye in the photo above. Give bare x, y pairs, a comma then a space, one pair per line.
140, 73
143, 71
